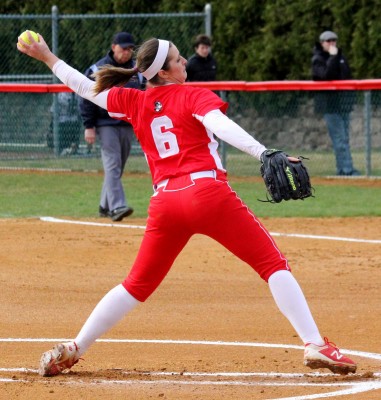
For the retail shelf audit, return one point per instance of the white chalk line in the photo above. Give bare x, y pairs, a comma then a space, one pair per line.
354, 387
351, 387
342, 239
296, 235
279, 375
69, 221
212, 374
374, 356
222, 374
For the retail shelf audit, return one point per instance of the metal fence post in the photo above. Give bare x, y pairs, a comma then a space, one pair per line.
221, 142
368, 132
208, 31
55, 105
208, 19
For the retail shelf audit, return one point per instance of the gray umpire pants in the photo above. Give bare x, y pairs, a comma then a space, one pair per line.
115, 148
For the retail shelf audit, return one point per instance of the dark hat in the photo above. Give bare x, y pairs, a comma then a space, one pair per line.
124, 39
328, 35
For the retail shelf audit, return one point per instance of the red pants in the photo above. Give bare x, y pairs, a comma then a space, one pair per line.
206, 206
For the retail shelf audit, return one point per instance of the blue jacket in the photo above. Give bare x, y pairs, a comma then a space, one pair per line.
94, 116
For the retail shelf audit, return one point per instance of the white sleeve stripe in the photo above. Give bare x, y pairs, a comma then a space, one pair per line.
116, 115
79, 83
199, 117
230, 132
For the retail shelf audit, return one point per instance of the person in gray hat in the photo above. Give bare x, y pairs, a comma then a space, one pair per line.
115, 136
329, 63
328, 36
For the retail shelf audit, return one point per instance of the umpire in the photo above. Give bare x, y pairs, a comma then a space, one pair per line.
115, 136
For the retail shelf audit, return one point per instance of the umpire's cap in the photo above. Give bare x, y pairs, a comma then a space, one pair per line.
124, 40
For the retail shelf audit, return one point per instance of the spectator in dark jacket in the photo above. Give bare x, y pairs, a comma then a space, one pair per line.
202, 66
329, 63
115, 135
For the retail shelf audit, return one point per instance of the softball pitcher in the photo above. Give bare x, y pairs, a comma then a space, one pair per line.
175, 125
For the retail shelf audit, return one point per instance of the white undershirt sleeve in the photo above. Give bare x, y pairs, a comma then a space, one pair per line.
230, 132
79, 83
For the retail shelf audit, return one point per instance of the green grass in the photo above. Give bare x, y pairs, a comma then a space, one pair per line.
64, 194
318, 163
136, 163
31, 194
329, 201
240, 164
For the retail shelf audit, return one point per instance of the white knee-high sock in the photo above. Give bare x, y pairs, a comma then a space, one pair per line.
112, 308
291, 302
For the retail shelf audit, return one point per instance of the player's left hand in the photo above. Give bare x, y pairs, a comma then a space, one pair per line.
285, 177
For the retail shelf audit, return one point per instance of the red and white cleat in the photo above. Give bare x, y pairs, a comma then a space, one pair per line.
328, 356
62, 356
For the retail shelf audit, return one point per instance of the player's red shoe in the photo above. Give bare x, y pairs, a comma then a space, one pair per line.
62, 356
328, 356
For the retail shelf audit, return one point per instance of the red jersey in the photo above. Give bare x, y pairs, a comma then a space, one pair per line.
164, 119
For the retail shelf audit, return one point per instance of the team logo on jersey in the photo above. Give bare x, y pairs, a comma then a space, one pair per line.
158, 106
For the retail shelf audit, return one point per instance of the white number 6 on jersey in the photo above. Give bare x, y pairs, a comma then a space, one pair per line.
165, 140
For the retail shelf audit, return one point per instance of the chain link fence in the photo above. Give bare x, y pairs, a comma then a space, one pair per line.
82, 39
288, 120
44, 130
281, 119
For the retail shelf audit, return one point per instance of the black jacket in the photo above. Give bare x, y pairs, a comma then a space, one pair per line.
201, 69
94, 116
326, 67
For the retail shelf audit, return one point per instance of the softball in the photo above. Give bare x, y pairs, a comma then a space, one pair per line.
24, 36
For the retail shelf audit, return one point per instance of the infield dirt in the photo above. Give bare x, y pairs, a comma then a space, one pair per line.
53, 274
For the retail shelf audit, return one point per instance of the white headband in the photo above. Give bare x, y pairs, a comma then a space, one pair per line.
158, 62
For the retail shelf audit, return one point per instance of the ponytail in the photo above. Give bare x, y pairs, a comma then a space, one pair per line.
109, 76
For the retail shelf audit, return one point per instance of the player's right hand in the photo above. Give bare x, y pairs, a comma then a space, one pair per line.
90, 135
38, 50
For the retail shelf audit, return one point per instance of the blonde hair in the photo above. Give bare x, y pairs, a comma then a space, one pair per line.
109, 76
